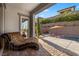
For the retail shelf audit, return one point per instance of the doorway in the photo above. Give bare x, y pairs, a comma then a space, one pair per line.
24, 26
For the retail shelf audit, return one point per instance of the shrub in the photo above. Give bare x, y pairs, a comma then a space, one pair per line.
62, 18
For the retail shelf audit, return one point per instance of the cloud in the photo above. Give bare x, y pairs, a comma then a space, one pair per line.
41, 15
46, 10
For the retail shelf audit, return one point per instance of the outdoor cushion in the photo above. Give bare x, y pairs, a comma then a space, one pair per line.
0, 43
18, 42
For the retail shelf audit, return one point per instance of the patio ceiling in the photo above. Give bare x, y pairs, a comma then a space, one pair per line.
26, 7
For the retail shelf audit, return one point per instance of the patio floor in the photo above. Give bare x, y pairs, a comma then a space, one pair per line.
71, 47
44, 50
49, 46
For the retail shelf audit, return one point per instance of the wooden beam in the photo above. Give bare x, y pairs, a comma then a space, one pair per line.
0, 4
31, 25
41, 7
21, 14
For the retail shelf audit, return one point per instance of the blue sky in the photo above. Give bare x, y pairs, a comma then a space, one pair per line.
52, 11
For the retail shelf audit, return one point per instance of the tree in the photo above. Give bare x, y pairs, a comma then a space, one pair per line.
38, 27
62, 18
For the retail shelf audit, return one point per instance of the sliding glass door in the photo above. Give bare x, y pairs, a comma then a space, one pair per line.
24, 26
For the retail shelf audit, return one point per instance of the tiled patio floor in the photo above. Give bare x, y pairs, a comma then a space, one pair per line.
44, 50
70, 47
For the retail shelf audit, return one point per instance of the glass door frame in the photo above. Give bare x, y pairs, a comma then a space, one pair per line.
20, 21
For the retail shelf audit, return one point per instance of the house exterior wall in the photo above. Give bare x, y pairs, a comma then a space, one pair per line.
12, 18
66, 10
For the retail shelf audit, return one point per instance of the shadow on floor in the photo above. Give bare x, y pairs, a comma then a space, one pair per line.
28, 52
61, 48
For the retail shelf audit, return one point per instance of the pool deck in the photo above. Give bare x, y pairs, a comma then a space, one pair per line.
68, 46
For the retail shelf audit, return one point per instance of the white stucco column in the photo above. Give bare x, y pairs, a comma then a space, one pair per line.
3, 19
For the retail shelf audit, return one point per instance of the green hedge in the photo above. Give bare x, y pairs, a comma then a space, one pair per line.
62, 18
38, 28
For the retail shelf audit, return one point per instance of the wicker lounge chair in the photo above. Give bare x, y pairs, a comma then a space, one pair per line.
15, 41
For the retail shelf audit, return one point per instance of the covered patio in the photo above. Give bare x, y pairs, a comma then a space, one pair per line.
12, 35
14, 40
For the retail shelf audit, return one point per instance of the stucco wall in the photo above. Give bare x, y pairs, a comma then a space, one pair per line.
67, 30
70, 28
1, 20
12, 18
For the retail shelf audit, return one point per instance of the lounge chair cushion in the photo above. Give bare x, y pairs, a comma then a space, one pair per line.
18, 42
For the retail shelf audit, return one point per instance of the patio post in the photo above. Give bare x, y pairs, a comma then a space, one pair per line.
39, 8
31, 25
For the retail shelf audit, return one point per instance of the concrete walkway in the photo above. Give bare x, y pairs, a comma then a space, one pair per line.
68, 46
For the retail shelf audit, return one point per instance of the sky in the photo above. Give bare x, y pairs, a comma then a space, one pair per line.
24, 25
52, 11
